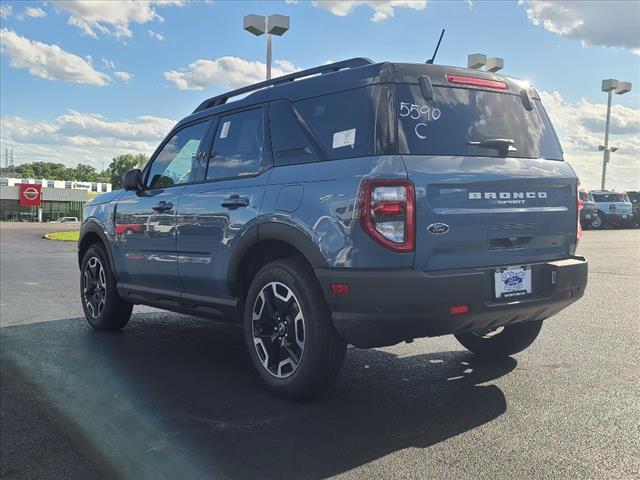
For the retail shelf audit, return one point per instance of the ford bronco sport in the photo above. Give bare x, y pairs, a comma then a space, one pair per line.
353, 203
614, 209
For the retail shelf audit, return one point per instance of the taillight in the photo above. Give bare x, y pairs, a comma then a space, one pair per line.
387, 213
579, 205
476, 82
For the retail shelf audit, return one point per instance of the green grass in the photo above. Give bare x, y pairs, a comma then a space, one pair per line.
71, 236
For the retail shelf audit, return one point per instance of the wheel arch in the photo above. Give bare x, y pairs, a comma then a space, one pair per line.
90, 234
268, 242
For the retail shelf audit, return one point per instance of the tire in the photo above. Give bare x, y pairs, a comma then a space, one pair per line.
284, 301
598, 222
512, 339
103, 307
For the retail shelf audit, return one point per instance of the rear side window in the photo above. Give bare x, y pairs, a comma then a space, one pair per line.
343, 123
239, 145
460, 121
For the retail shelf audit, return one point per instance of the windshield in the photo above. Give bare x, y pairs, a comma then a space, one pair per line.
610, 197
468, 122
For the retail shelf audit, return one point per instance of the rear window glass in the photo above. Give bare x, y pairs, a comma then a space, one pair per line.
610, 197
460, 121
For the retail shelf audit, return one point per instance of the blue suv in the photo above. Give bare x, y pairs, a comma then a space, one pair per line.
353, 203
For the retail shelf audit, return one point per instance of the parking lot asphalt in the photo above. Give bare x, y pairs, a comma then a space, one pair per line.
175, 397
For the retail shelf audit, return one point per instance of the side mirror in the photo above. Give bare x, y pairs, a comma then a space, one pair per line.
132, 179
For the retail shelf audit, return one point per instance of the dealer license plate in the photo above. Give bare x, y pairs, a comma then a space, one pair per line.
512, 281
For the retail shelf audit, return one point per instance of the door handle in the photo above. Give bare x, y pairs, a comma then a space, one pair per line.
162, 206
235, 201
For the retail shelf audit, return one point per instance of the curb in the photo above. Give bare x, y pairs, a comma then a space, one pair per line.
47, 237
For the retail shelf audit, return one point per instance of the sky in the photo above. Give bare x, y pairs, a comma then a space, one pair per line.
83, 81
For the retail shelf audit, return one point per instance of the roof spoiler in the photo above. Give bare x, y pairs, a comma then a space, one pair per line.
329, 68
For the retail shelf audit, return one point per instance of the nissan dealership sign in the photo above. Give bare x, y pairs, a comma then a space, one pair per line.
29, 194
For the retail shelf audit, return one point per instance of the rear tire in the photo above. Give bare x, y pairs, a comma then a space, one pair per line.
289, 332
512, 339
598, 222
103, 307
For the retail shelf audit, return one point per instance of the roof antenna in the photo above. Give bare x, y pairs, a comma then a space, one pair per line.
435, 52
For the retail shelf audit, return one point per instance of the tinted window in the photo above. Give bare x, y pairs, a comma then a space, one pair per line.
343, 123
239, 145
610, 197
457, 116
291, 142
176, 160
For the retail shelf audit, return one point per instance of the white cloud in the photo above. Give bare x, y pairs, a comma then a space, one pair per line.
49, 61
80, 137
5, 11
156, 35
124, 76
108, 63
382, 9
110, 17
34, 12
225, 72
580, 126
608, 24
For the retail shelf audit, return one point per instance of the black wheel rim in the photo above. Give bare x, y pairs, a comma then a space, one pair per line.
94, 287
278, 330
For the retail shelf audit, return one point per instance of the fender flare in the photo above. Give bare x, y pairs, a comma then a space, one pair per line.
93, 226
273, 231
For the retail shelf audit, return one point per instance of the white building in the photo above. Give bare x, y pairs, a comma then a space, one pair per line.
95, 187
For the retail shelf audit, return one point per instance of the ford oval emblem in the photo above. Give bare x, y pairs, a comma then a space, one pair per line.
513, 281
438, 228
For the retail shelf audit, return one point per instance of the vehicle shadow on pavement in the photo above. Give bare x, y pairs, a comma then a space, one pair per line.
176, 397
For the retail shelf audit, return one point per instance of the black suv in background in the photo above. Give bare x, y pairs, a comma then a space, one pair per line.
589, 211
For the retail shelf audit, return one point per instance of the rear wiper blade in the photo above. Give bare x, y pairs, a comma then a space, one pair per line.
504, 145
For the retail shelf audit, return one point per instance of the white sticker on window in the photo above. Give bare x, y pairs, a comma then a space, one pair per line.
225, 129
344, 138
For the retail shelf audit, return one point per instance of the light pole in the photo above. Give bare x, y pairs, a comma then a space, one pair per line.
610, 85
271, 25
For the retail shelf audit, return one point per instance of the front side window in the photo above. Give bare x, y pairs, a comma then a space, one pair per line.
239, 145
469, 122
174, 163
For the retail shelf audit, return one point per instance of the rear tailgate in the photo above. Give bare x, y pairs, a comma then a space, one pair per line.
487, 166
493, 211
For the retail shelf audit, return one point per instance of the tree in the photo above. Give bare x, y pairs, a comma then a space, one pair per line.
121, 164
85, 173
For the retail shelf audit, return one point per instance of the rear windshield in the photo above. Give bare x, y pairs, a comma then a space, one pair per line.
610, 197
460, 121
584, 196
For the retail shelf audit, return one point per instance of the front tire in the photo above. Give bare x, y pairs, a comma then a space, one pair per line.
103, 307
288, 329
501, 342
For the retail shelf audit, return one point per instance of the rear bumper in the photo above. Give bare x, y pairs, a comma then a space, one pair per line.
385, 307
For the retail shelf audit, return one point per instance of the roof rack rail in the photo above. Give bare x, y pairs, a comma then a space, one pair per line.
331, 67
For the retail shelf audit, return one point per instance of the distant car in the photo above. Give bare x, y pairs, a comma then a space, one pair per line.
634, 197
67, 220
614, 209
589, 211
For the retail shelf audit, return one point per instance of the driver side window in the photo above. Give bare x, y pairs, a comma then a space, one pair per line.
174, 163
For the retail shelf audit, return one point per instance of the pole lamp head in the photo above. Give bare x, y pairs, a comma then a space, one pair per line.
614, 149
609, 85
494, 64
256, 24
476, 61
601, 147
277, 24
623, 87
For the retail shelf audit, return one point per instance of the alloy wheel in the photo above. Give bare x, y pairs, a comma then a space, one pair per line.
278, 329
94, 287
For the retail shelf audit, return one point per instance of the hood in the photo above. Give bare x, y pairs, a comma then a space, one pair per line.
104, 198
